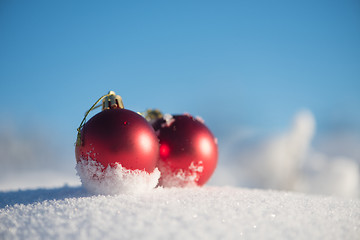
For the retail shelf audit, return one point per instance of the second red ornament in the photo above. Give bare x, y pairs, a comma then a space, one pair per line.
188, 149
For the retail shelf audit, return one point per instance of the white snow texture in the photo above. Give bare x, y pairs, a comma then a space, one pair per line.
112, 180
180, 178
177, 213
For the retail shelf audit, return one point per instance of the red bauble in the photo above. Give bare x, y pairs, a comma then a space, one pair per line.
119, 136
188, 151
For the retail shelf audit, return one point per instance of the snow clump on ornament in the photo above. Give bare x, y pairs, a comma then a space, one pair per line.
116, 179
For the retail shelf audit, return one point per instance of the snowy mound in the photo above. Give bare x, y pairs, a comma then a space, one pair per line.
177, 213
113, 180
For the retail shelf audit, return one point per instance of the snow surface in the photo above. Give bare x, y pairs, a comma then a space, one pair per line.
117, 179
176, 213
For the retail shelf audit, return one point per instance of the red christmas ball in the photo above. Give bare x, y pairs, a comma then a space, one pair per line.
119, 136
188, 151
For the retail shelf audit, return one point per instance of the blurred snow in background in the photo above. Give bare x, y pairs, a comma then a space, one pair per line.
288, 161
285, 161
32, 157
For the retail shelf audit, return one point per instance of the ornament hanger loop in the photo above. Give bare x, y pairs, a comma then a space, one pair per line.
110, 101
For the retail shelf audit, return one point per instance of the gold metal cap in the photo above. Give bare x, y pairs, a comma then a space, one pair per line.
112, 101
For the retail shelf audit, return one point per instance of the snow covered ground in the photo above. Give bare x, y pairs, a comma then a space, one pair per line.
176, 213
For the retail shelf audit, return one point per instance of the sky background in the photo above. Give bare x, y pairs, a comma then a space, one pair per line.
238, 64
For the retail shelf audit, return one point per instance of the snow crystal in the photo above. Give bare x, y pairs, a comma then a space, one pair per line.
178, 213
169, 119
180, 178
200, 119
113, 180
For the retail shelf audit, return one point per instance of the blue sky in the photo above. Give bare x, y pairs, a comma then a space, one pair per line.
237, 64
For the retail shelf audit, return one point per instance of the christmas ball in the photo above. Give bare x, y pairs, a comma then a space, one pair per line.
118, 136
188, 150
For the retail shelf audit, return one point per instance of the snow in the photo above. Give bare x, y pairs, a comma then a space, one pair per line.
180, 178
230, 206
176, 213
37, 179
111, 180
169, 119
289, 161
